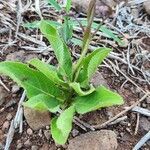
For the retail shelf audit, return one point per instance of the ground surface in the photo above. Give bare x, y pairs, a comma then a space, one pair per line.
119, 72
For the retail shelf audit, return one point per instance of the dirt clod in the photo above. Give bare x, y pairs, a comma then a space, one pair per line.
34, 147
36, 119
47, 134
9, 117
99, 140
27, 143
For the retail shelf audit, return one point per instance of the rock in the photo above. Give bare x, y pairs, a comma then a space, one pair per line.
29, 131
98, 80
146, 6
75, 132
36, 119
19, 146
47, 134
34, 147
9, 117
1, 146
1, 6
99, 140
3, 95
15, 89
102, 9
5, 125
144, 124
27, 143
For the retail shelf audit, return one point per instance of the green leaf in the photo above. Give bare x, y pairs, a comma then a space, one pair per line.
66, 30
102, 97
43, 102
33, 81
91, 63
108, 32
61, 126
68, 6
54, 4
79, 91
60, 48
48, 71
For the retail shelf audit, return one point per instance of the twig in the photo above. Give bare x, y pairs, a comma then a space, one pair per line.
16, 122
137, 124
142, 111
121, 113
10, 135
1, 82
142, 141
84, 124
118, 120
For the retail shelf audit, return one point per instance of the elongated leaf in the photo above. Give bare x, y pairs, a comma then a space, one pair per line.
91, 63
68, 5
79, 91
102, 97
61, 126
61, 50
43, 102
33, 81
54, 4
48, 71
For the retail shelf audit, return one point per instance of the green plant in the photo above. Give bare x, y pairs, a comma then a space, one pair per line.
63, 90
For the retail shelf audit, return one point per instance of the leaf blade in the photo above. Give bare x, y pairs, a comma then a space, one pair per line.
61, 50
33, 81
43, 102
102, 97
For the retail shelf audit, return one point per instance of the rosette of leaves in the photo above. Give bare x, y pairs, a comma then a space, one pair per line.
64, 90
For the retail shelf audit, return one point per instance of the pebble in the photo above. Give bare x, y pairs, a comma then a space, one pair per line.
47, 134
27, 143
47, 127
29, 131
15, 89
34, 147
40, 133
19, 146
75, 132
9, 117
1, 6
5, 125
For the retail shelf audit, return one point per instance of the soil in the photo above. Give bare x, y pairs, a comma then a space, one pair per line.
41, 139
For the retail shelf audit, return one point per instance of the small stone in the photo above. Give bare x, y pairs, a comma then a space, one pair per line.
5, 125
27, 143
29, 131
144, 124
47, 127
98, 140
19, 146
34, 147
75, 132
9, 117
40, 133
15, 89
47, 134
1, 146
146, 5
36, 119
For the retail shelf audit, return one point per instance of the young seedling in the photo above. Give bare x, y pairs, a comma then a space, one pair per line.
63, 90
